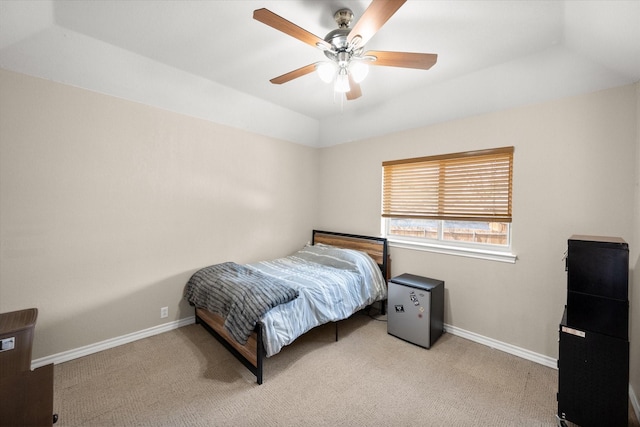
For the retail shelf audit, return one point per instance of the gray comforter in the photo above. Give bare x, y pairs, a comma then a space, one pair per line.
240, 294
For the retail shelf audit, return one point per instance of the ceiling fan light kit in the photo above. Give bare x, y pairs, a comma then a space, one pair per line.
358, 70
348, 64
342, 81
326, 71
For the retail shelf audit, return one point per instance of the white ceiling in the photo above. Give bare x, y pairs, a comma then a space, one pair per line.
211, 59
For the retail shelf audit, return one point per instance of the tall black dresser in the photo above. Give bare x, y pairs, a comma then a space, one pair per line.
593, 363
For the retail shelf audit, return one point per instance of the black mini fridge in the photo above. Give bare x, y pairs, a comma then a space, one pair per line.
593, 362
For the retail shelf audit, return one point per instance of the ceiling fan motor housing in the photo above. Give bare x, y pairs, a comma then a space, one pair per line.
341, 49
338, 39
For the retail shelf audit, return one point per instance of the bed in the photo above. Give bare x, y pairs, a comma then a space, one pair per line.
332, 278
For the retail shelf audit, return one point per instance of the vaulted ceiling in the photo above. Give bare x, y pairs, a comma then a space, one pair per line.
212, 60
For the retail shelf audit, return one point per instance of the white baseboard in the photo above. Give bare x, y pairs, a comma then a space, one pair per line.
507, 348
634, 402
114, 342
66, 356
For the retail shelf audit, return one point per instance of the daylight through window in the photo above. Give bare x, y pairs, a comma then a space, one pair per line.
457, 198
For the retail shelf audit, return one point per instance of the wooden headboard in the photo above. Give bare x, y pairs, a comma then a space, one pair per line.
375, 247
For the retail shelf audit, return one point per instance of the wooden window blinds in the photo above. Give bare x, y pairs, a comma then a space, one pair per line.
469, 186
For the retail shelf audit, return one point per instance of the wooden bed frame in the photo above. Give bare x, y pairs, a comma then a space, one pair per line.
252, 354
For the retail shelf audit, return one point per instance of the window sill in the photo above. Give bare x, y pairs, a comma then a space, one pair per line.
455, 250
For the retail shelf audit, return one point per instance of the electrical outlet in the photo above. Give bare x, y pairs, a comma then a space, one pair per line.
164, 312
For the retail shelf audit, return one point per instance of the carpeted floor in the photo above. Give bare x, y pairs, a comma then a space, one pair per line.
185, 378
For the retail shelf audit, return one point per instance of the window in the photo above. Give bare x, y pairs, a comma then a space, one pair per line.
458, 201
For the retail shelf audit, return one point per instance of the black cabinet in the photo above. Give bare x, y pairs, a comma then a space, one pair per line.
598, 266
593, 363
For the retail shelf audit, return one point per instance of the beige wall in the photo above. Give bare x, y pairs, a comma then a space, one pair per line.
574, 164
634, 260
108, 206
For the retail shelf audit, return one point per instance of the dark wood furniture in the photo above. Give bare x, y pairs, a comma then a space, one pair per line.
26, 396
593, 362
252, 353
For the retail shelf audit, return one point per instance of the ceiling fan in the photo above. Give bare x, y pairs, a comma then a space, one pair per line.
344, 47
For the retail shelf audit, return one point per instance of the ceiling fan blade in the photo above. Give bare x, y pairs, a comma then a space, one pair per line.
279, 23
302, 71
378, 12
422, 61
354, 89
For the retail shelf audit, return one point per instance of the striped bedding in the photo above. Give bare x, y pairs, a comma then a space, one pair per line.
240, 294
332, 284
